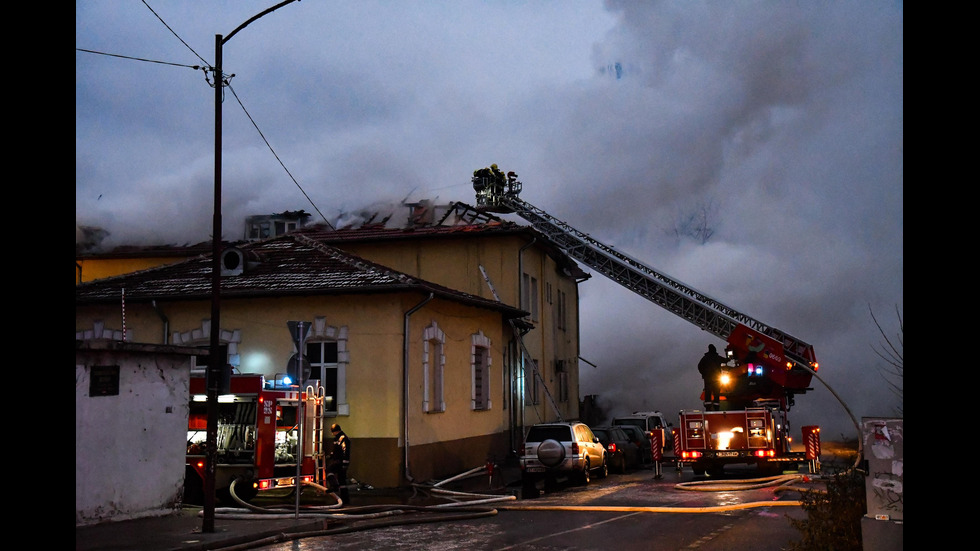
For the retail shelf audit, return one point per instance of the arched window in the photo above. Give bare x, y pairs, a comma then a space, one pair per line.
326, 350
480, 364
433, 368
201, 337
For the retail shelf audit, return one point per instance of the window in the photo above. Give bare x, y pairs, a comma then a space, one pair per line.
533, 378
326, 350
259, 230
562, 377
433, 368
323, 368
562, 315
529, 295
480, 363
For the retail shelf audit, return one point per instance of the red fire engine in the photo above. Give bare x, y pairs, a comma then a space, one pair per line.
758, 387
258, 435
767, 367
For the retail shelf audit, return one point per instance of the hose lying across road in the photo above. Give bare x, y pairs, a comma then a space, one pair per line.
466, 505
361, 518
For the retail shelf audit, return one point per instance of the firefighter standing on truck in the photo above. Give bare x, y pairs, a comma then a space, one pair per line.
339, 463
710, 369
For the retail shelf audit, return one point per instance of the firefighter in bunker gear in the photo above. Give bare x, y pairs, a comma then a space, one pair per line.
339, 463
710, 369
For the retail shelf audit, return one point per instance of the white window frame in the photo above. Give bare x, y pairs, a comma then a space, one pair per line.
433, 369
480, 363
322, 332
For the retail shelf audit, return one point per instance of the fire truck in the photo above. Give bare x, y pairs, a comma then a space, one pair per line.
758, 385
260, 435
766, 367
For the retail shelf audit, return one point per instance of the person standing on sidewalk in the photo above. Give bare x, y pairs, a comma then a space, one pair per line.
339, 463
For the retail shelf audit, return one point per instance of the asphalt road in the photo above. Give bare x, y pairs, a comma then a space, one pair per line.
625, 512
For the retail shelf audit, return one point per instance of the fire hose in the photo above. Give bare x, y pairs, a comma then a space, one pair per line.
469, 505
360, 518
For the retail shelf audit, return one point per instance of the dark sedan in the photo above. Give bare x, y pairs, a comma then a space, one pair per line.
635, 434
623, 454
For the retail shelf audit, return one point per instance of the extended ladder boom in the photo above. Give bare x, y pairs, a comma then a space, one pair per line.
684, 301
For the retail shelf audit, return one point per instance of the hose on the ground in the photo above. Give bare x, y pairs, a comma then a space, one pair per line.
465, 506
468, 505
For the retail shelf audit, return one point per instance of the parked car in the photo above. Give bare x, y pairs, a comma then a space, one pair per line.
570, 449
640, 440
650, 421
623, 453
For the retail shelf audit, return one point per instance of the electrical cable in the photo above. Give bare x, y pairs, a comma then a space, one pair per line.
174, 33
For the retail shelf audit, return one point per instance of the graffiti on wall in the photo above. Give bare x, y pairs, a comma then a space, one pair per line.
884, 452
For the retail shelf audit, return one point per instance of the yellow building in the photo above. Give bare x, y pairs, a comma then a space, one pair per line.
126, 260
425, 363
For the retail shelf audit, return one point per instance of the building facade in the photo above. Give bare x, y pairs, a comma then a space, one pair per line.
430, 374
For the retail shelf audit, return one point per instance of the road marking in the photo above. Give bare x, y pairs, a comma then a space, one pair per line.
703, 540
587, 526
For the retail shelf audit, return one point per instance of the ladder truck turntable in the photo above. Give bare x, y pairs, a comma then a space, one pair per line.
766, 367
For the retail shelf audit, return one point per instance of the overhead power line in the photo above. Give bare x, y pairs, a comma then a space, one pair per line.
195, 67
219, 80
174, 33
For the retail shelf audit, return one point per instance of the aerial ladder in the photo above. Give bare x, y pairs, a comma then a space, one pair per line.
790, 361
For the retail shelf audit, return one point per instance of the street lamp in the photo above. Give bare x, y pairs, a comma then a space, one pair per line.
216, 369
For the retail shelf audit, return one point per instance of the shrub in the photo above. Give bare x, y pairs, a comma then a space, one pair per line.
833, 521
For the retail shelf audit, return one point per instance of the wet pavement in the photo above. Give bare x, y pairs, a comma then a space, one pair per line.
240, 528
279, 521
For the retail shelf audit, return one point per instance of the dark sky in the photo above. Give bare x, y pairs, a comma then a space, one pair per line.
781, 121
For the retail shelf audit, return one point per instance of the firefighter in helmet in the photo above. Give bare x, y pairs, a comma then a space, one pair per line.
710, 369
339, 463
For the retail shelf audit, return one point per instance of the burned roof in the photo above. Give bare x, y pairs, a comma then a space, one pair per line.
461, 220
291, 264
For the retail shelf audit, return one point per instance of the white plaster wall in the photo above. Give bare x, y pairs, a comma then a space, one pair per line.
129, 448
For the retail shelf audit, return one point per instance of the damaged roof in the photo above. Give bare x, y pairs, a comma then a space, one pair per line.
461, 220
291, 264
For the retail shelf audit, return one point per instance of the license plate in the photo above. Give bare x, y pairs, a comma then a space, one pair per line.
727, 454
535, 469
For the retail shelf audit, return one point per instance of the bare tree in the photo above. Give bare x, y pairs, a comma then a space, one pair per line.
891, 350
696, 224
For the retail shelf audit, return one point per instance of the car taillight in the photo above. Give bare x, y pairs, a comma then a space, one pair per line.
765, 453
612, 447
690, 455
574, 448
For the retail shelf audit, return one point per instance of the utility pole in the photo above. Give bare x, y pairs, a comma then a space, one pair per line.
217, 365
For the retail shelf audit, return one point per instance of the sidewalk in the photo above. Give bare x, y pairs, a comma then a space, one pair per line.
182, 530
